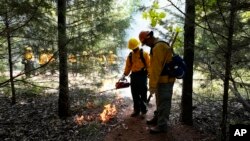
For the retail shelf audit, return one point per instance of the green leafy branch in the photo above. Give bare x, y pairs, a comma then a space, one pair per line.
154, 14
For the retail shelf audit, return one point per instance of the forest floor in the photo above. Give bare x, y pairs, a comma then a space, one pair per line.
136, 129
35, 117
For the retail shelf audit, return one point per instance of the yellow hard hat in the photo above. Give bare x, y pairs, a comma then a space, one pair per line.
41, 49
133, 43
28, 48
84, 53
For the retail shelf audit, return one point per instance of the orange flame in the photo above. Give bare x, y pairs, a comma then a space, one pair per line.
108, 113
79, 120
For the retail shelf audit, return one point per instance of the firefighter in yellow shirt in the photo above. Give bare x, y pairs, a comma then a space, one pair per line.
112, 61
137, 64
102, 60
43, 59
28, 61
84, 56
52, 61
160, 85
84, 60
73, 61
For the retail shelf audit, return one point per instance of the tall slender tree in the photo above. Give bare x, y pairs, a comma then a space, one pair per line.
11, 15
8, 32
228, 55
187, 90
63, 102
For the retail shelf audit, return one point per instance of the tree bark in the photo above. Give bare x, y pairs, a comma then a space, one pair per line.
13, 96
228, 56
63, 102
187, 90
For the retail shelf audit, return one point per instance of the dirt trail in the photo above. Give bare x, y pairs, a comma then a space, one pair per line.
136, 129
132, 129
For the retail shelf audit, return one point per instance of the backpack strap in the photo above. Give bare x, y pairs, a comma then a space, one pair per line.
141, 57
151, 50
130, 57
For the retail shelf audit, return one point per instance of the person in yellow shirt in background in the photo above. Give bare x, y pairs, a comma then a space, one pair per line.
160, 85
137, 64
52, 61
73, 61
84, 61
43, 59
102, 60
85, 56
28, 61
112, 61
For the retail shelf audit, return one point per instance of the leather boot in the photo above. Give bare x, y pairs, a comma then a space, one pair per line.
134, 114
157, 129
153, 121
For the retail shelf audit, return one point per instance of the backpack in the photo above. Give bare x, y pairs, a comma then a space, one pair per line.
176, 68
141, 57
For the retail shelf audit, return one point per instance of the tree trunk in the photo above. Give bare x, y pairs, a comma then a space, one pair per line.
63, 102
13, 97
187, 90
228, 55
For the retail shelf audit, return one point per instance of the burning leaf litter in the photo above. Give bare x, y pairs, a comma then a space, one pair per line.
108, 113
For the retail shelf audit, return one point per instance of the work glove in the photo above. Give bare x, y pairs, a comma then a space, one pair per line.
153, 91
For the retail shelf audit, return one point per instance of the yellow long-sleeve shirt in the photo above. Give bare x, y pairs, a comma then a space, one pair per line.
137, 63
160, 52
43, 59
112, 59
51, 57
72, 58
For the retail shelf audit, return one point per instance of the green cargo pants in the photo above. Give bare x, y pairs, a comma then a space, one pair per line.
163, 103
